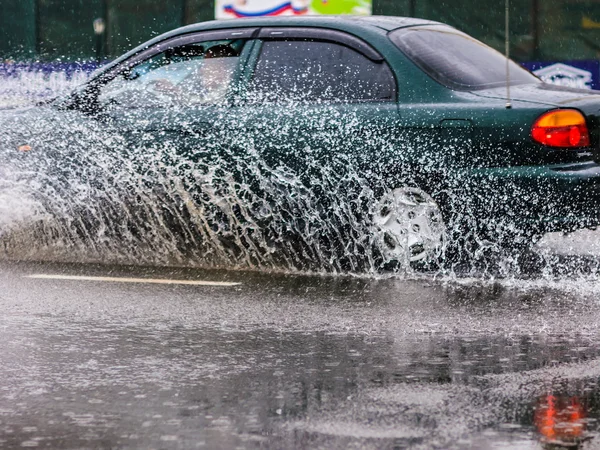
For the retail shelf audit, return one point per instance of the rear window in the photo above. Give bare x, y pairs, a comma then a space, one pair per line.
456, 60
319, 71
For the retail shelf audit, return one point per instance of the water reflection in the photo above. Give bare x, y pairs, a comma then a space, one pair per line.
277, 389
293, 362
561, 421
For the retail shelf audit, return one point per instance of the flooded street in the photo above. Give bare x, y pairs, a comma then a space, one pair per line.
281, 361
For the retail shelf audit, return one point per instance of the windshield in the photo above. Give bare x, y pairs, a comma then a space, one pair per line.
457, 60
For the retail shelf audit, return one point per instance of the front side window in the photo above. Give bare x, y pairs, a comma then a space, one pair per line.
317, 71
193, 74
457, 60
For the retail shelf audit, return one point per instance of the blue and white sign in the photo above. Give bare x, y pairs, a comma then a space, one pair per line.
584, 74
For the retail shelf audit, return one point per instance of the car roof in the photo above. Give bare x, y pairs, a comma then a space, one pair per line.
344, 23
386, 23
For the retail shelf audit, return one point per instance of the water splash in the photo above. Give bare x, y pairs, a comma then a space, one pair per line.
93, 194
254, 196
26, 84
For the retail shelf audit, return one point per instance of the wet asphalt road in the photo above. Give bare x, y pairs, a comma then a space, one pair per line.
282, 361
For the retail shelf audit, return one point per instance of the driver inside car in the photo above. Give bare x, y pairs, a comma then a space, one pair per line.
206, 82
210, 82
182, 76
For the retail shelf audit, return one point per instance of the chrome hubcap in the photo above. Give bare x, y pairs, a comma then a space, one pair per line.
410, 224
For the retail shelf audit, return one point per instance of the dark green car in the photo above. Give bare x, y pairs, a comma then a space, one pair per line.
327, 139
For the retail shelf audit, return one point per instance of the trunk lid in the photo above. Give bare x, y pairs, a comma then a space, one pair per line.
585, 100
548, 94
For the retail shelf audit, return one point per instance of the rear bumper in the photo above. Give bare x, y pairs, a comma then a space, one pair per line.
539, 198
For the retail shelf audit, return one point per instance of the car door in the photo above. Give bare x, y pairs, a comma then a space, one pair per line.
165, 111
322, 104
321, 113
175, 89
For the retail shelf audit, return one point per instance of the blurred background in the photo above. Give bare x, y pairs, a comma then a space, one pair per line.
50, 29
61, 40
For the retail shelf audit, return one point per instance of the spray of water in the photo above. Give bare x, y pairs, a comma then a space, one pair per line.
27, 85
291, 197
93, 192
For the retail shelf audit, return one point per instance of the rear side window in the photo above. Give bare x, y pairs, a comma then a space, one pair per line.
317, 71
456, 60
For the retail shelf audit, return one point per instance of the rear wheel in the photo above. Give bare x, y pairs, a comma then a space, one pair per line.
410, 228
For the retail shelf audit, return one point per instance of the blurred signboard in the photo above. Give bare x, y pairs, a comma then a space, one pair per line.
583, 74
233, 9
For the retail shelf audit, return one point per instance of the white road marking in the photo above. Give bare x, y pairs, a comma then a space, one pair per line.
42, 276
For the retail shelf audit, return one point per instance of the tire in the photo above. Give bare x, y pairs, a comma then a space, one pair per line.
410, 229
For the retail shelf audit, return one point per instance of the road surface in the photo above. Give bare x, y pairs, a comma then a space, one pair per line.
119, 357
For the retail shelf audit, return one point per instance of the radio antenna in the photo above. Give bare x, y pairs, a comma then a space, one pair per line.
507, 52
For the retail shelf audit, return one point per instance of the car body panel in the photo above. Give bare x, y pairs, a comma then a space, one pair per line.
550, 198
545, 94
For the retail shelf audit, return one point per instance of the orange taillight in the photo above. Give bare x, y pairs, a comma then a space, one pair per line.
564, 128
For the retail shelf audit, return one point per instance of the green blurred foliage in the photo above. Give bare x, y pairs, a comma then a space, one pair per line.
565, 29
65, 28
199, 11
17, 29
131, 22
